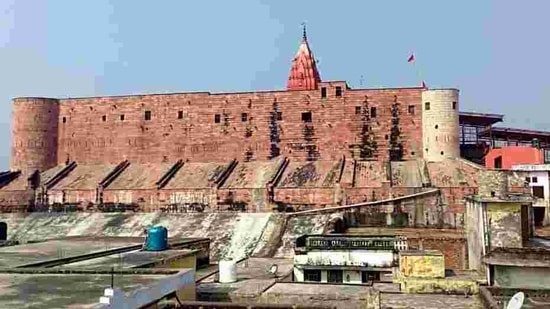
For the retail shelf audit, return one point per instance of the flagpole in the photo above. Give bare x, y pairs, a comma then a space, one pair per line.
419, 74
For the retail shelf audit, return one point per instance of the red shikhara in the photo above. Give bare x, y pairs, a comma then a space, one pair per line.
304, 74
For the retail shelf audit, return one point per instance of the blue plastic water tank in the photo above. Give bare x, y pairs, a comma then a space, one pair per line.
157, 239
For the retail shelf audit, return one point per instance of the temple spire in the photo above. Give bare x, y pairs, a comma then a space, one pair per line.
304, 74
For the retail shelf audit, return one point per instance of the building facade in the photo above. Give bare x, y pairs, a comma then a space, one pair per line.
537, 176
345, 258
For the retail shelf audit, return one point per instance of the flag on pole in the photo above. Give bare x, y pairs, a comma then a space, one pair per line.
418, 73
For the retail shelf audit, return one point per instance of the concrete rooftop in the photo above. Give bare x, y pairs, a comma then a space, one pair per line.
64, 290
252, 278
14, 256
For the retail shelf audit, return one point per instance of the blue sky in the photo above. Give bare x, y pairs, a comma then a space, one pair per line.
495, 52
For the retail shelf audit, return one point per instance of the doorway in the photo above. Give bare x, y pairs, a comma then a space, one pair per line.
335, 276
3, 231
498, 162
369, 276
525, 228
538, 213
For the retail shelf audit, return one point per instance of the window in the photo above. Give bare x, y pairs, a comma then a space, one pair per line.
534, 180
367, 276
64, 119
527, 179
357, 110
244, 117
323, 92
454, 105
147, 115
306, 117
312, 275
279, 116
373, 112
122, 117
538, 191
411, 109
442, 153
180, 114
104, 118
364, 277
546, 156
217, 118
335, 276
427, 106
338, 91
436, 126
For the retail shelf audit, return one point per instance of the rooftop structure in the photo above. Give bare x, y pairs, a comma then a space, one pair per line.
527, 268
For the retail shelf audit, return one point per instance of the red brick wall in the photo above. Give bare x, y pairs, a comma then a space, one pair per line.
85, 137
454, 197
453, 250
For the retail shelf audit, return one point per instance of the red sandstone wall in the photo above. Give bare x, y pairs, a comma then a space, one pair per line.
34, 134
317, 197
72, 196
360, 195
15, 201
147, 199
85, 137
257, 199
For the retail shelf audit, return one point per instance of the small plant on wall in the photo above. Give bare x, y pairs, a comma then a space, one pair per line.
368, 145
249, 130
225, 123
396, 146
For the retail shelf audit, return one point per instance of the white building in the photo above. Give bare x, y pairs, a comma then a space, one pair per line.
538, 180
345, 258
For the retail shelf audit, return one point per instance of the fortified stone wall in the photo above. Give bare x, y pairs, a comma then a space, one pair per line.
216, 127
34, 134
440, 124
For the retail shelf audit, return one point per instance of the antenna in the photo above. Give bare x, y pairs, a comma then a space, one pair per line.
361, 81
516, 301
112, 277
